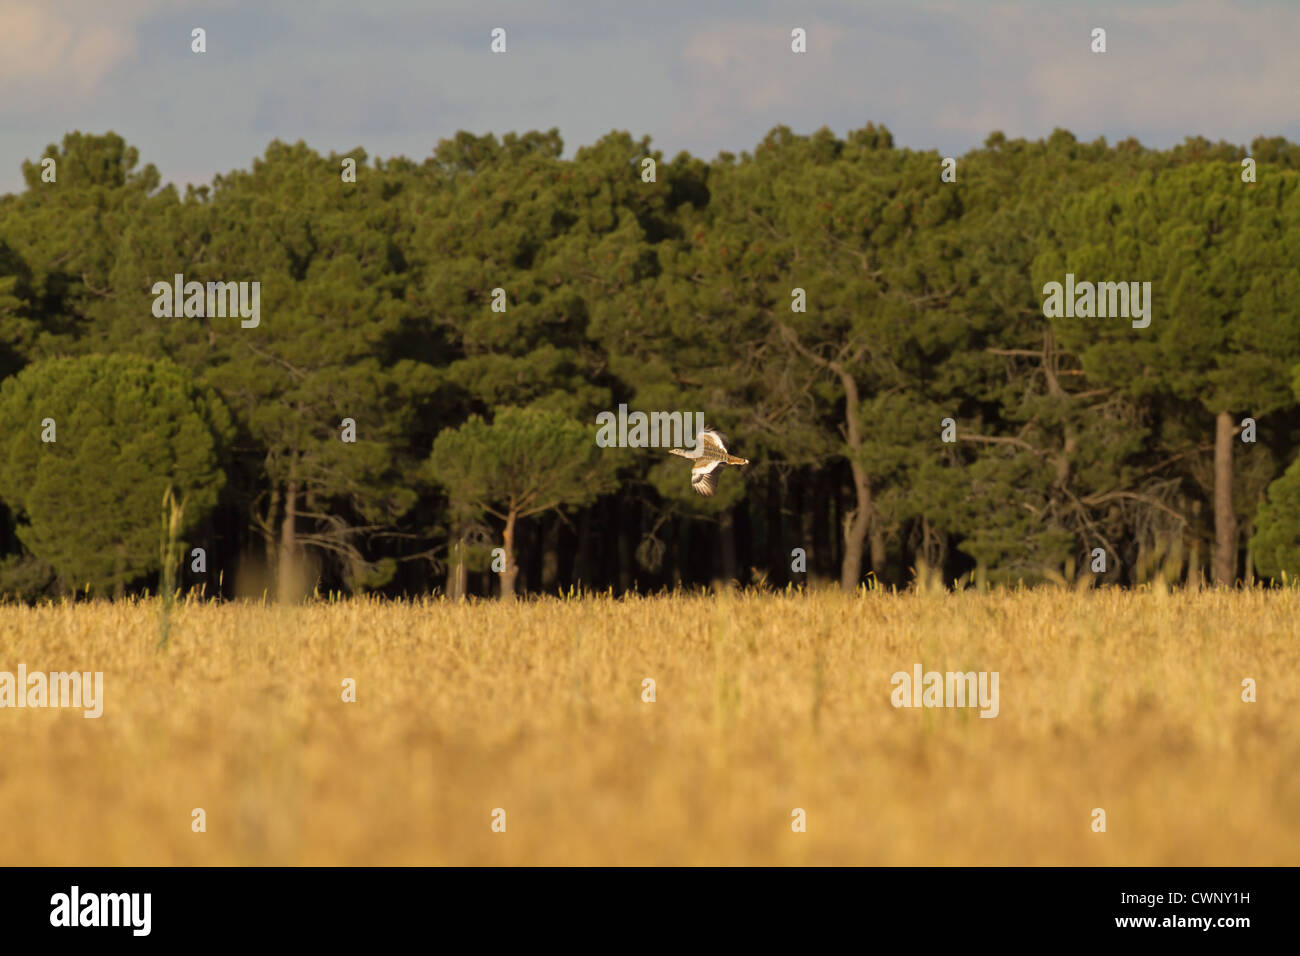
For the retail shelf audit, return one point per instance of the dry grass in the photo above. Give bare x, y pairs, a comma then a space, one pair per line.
1126, 701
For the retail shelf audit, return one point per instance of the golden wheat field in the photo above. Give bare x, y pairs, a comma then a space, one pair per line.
1126, 701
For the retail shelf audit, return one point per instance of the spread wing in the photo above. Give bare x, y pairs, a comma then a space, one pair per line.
713, 439
704, 477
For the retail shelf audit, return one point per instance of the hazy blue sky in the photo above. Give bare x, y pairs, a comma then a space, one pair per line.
395, 76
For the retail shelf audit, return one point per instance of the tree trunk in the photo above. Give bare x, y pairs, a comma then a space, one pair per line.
286, 578
682, 549
839, 512
1194, 578
807, 514
582, 564
551, 554
525, 545
857, 521
511, 570
726, 566
673, 554
878, 554
1225, 519
1249, 575
268, 529
1250, 545
624, 526
778, 545
457, 575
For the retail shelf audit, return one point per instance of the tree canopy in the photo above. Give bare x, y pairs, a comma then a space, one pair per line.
866, 322
93, 444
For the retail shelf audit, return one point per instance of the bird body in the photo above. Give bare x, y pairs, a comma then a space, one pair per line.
709, 458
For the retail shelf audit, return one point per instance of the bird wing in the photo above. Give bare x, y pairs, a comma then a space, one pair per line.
704, 477
712, 438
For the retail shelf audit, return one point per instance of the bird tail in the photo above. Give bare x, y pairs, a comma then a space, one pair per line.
678, 451
733, 460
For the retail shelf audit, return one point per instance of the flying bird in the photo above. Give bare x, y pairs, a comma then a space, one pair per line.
708, 458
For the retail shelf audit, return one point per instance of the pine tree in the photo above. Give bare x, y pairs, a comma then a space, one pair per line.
124, 428
526, 462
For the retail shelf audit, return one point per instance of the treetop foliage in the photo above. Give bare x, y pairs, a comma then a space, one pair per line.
829, 302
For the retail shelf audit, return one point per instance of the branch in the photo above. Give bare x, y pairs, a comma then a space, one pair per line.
793, 339
1110, 496
1000, 440
328, 543
102, 293
1169, 461
274, 358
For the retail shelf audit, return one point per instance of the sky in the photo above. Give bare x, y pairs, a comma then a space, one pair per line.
396, 76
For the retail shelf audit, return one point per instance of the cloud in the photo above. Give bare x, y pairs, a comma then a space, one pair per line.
67, 47
1212, 67
750, 66
946, 73
1200, 67
397, 75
